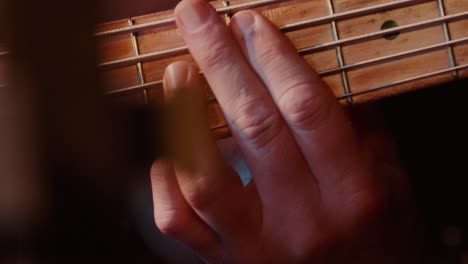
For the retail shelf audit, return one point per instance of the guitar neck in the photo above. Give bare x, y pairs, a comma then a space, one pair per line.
363, 49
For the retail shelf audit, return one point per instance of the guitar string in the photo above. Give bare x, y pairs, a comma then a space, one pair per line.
148, 85
4, 53
396, 56
350, 14
255, 4
361, 64
404, 81
373, 89
381, 87
316, 21
295, 26
305, 51
158, 84
171, 20
379, 34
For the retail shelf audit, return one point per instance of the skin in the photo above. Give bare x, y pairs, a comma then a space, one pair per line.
326, 188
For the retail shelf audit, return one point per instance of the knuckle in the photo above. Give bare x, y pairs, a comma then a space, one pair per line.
201, 194
258, 124
217, 54
171, 223
317, 246
269, 54
272, 57
365, 208
309, 111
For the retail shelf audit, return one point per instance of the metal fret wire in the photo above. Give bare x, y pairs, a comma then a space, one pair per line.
451, 56
181, 50
141, 78
171, 20
339, 54
228, 15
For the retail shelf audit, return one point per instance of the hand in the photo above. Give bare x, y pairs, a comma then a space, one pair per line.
320, 193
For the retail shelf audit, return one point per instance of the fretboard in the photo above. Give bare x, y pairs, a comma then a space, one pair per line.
363, 49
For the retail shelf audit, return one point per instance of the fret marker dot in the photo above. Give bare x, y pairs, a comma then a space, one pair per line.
387, 25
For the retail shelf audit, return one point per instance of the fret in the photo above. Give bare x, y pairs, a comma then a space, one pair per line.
228, 15
458, 30
451, 60
141, 78
339, 54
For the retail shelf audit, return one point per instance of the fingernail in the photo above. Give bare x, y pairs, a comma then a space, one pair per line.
176, 75
194, 15
244, 22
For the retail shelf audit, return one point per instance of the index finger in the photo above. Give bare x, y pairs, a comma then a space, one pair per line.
254, 119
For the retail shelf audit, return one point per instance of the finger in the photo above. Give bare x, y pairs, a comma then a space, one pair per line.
212, 189
174, 217
255, 122
318, 123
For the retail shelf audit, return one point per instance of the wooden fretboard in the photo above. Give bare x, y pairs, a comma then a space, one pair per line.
363, 49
